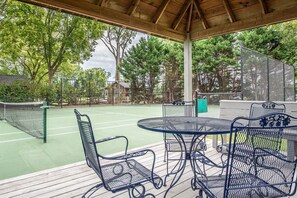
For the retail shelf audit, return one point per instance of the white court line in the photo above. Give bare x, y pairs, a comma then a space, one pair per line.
94, 124
66, 133
114, 113
98, 112
71, 126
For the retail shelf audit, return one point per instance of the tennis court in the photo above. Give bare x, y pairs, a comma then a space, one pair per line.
21, 153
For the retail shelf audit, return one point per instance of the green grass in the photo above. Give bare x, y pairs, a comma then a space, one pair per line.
21, 154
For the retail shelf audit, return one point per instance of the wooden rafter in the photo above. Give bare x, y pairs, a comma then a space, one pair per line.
182, 14
133, 7
110, 16
264, 7
189, 23
201, 15
230, 13
160, 11
269, 18
165, 17
100, 2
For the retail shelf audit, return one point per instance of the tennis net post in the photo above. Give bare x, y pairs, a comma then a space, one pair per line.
45, 107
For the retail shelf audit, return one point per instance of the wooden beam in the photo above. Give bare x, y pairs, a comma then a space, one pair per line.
201, 15
190, 18
160, 11
264, 7
133, 7
229, 11
110, 16
100, 2
182, 14
267, 19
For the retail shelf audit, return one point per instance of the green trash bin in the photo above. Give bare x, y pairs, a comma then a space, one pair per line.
202, 105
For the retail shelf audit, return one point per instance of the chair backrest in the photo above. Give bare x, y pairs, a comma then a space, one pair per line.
266, 172
88, 142
259, 109
178, 109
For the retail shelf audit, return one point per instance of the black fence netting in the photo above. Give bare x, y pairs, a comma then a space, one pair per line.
264, 78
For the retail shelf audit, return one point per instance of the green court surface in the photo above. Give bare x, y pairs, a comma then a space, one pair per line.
22, 154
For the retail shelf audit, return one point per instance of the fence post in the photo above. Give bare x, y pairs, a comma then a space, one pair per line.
284, 82
268, 87
241, 69
61, 91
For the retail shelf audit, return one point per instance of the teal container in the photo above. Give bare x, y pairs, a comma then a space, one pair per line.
202, 106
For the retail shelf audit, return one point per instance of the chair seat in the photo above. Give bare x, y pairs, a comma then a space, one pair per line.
120, 175
214, 186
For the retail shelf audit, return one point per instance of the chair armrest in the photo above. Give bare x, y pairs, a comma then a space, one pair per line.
133, 154
113, 138
274, 154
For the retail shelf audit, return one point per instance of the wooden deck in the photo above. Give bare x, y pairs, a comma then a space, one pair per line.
75, 179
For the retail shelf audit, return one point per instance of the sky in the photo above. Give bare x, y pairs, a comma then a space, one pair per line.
103, 58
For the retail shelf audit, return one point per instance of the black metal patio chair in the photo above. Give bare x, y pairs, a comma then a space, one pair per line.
269, 173
121, 172
172, 145
256, 110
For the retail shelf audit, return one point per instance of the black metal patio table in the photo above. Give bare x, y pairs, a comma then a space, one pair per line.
182, 125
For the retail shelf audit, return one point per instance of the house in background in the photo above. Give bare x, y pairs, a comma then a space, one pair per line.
118, 93
15, 88
11, 79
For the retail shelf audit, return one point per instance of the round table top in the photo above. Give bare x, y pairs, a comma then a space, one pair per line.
187, 125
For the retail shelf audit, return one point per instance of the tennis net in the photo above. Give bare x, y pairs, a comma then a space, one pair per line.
27, 117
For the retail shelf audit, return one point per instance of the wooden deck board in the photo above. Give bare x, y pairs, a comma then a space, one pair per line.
75, 179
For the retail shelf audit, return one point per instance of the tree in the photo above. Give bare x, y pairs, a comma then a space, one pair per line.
173, 70
2, 7
287, 49
117, 39
278, 41
81, 86
141, 67
39, 41
263, 39
215, 62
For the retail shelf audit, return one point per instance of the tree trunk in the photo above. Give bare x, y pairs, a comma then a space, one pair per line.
118, 61
50, 77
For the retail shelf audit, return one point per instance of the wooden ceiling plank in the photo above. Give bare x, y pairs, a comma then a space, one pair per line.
267, 19
182, 14
230, 13
160, 11
190, 18
100, 2
110, 16
264, 6
201, 15
133, 7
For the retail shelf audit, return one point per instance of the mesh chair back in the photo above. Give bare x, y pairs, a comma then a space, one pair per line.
88, 141
186, 109
259, 109
266, 166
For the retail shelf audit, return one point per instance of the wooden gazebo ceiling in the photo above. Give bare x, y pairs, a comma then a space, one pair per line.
173, 19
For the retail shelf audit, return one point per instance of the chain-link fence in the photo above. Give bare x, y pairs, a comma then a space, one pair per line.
264, 78
214, 98
90, 92
260, 78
